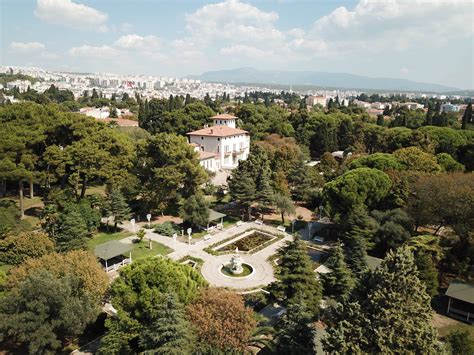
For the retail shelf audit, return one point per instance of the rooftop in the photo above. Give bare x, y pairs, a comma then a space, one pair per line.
111, 249
218, 131
223, 116
205, 155
461, 291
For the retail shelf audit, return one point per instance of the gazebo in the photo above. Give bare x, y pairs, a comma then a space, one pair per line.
215, 216
112, 254
461, 300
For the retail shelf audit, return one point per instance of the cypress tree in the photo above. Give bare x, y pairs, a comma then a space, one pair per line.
339, 282
296, 276
168, 332
467, 116
242, 188
295, 331
396, 308
117, 206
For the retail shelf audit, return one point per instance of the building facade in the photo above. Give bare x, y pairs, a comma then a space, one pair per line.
222, 145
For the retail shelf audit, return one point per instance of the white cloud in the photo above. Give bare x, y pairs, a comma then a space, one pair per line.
241, 49
70, 14
232, 20
133, 41
87, 51
27, 47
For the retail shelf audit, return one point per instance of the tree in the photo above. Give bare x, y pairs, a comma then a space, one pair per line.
159, 274
117, 207
169, 332
167, 167
73, 232
220, 320
195, 210
427, 273
113, 112
43, 311
296, 277
284, 205
400, 320
414, 159
265, 195
396, 307
447, 163
381, 161
242, 188
141, 234
81, 264
339, 282
394, 229
467, 116
461, 342
16, 248
295, 331
355, 188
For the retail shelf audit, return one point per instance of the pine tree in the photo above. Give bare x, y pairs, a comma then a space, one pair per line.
187, 101
295, 331
265, 195
429, 116
72, 233
117, 206
359, 229
428, 273
380, 120
396, 308
339, 282
296, 278
169, 332
242, 188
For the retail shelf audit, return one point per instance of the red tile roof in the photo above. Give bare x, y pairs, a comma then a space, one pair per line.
223, 116
122, 122
218, 131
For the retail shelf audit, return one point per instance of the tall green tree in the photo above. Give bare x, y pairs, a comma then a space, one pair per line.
195, 210
242, 188
73, 232
117, 207
467, 116
168, 332
296, 277
167, 167
339, 282
44, 311
395, 307
284, 205
295, 331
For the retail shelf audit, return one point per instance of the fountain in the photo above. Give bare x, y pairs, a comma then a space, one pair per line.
236, 263
236, 267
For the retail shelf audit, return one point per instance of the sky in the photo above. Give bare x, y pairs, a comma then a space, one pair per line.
429, 41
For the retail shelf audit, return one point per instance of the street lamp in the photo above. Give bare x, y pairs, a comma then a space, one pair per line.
148, 217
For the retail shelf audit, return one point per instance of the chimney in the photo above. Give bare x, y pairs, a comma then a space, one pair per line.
212, 131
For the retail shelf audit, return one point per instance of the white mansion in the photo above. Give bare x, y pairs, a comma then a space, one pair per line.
222, 145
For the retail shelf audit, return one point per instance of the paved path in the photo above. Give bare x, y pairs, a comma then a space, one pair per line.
263, 270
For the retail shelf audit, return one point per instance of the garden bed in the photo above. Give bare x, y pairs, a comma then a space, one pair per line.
248, 242
245, 241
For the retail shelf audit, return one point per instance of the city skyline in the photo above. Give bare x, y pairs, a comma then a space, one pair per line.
399, 39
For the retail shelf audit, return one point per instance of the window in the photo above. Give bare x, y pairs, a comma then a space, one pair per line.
218, 139
202, 137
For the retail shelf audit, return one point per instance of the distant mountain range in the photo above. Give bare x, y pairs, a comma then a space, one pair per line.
318, 79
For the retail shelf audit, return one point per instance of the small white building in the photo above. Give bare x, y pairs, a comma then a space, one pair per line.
222, 145
316, 100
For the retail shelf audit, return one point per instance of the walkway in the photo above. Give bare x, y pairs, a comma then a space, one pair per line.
263, 270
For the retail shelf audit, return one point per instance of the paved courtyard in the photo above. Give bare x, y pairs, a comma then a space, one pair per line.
263, 270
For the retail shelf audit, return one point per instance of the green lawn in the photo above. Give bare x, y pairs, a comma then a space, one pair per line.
443, 331
140, 250
102, 238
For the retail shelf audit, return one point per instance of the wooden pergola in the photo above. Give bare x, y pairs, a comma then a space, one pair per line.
112, 254
461, 300
215, 216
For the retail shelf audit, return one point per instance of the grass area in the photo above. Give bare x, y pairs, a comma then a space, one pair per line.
102, 238
141, 250
445, 330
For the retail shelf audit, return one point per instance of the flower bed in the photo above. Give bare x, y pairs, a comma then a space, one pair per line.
248, 242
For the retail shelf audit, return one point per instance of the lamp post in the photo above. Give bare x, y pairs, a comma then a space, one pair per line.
174, 240
189, 231
132, 221
148, 217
